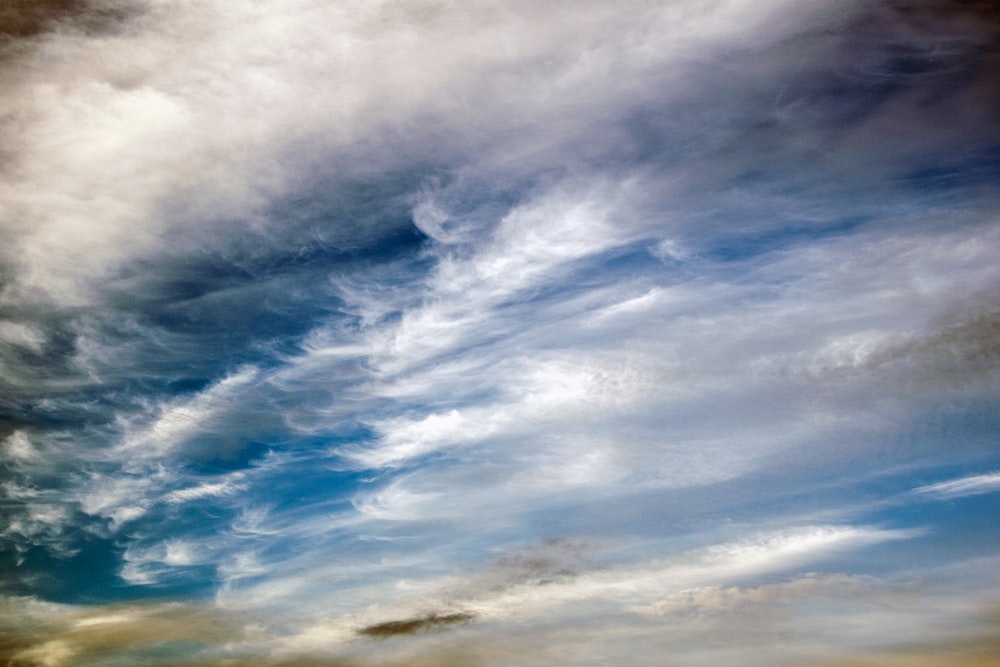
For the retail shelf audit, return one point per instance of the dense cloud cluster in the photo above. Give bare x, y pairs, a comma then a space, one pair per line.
493, 324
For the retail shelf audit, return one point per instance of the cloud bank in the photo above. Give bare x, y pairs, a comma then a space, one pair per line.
498, 332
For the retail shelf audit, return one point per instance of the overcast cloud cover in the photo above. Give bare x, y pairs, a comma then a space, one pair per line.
499, 332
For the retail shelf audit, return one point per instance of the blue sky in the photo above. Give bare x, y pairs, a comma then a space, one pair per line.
499, 333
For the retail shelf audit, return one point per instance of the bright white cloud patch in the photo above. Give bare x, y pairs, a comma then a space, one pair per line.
966, 486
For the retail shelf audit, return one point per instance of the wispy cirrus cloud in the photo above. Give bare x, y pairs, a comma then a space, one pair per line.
965, 486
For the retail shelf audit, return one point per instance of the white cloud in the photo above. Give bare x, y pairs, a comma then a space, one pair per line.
393, 503
224, 488
121, 498
721, 563
144, 565
17, 447
194, 110
20, 333
965, 486
570, 338
182, 419
564, 589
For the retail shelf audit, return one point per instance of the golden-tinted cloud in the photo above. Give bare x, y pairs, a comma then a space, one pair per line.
974, 651
74, 636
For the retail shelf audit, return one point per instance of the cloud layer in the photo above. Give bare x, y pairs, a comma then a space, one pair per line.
411, 332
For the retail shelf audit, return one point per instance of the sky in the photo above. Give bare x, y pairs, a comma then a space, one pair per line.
499, 333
